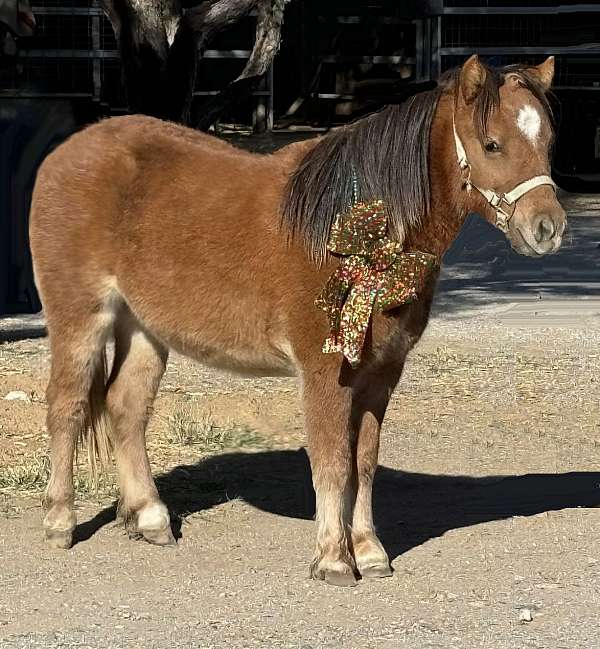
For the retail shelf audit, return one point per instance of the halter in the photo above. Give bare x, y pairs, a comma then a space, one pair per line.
503, 204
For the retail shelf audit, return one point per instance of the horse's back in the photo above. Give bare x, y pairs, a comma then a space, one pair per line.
135, 176
107, 158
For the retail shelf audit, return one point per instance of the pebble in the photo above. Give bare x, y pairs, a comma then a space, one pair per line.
525, 615
17, 395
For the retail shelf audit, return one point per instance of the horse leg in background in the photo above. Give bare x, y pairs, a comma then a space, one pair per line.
327, 407
138, 367
76, 355
371, 399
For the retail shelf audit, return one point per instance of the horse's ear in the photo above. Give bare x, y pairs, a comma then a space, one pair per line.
472, 78
544, 73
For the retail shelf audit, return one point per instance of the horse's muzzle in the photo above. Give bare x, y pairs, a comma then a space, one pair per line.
540, 235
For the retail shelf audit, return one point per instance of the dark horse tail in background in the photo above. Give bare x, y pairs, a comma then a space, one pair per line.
161, 237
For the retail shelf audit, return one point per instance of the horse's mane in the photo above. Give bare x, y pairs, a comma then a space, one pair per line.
387, 152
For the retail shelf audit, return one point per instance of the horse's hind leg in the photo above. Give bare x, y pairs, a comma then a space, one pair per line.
138, 368
76, 354
327, 406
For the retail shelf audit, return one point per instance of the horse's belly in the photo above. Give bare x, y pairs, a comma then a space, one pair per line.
237, 340
241, 360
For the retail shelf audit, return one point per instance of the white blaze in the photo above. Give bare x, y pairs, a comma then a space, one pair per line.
529, 123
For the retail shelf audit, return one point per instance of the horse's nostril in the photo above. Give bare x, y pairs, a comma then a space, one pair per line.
545, 229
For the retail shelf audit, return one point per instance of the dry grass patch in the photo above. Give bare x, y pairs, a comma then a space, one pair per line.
190, 426
31, 475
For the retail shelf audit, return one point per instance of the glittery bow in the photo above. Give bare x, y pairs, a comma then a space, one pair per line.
374, 274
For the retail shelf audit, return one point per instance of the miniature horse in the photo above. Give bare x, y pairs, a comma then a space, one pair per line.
162, 237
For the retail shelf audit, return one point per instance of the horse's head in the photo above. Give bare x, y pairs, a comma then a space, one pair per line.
503, 136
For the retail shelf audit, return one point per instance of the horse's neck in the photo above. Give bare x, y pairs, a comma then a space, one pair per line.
448, 209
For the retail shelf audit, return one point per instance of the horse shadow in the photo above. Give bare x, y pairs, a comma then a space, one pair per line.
410, 508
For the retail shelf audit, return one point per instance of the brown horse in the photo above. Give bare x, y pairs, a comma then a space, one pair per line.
162, 237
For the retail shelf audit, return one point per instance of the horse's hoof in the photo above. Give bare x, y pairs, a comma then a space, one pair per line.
376, 571
335, 573
59, 540
154, 525
372, 562
59, 525
343, 579
159, 537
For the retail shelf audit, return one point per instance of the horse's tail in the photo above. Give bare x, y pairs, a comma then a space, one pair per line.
98, 435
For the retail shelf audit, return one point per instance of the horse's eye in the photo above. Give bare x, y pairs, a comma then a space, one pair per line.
492, 147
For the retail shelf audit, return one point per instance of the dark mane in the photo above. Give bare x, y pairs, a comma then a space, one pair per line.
388, 152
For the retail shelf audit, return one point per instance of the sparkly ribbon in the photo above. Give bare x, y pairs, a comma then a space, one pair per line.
374, 275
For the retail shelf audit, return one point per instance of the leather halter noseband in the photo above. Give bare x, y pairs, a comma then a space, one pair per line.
503, 204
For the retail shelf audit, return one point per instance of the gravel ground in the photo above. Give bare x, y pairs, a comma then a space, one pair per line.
486, 498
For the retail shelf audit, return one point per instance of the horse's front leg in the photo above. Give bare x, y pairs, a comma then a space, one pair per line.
327, 406
371, 398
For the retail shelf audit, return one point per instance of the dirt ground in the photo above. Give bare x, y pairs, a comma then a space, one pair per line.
485, 502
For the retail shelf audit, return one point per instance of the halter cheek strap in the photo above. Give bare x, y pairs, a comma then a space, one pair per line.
504, 204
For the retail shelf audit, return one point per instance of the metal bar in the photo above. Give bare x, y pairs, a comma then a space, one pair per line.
212, 93
31, 94
517, 49
436, 46
67, 11
79, 11
362, 20
271, 97
362, 59
68, 54
570, 8
226, 54
419, 51
114, 54
334, 95
96, 72
427, 70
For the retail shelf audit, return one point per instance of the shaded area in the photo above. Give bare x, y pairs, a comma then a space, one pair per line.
29, 130
410, 508
22, 327
481, 268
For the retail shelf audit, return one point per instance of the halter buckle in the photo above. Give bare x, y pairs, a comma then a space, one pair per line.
496, 199
502, 219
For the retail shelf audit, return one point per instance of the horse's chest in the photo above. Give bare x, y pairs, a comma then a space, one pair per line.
395, 333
